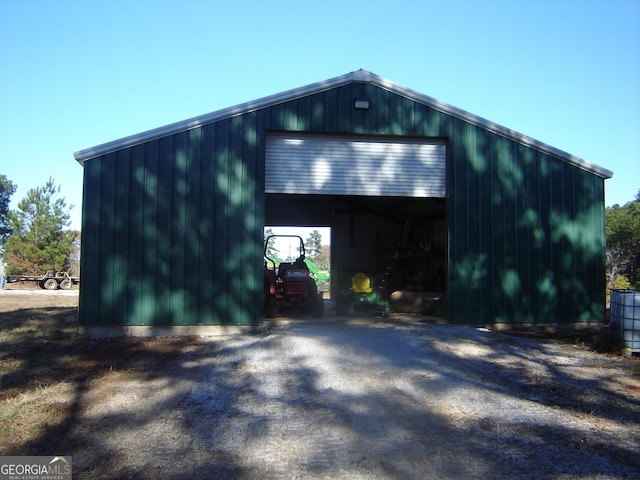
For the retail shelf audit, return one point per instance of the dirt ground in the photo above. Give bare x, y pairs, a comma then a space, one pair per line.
359, 398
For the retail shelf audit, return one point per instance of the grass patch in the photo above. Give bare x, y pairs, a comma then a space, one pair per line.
46, 366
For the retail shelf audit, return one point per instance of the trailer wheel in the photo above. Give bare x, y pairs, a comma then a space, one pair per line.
50, 284
66, 284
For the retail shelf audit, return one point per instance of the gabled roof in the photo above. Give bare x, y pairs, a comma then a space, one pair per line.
361, 76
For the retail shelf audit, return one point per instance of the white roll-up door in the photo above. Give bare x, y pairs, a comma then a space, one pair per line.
328, 165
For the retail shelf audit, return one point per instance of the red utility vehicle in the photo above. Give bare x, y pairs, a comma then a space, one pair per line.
290, 285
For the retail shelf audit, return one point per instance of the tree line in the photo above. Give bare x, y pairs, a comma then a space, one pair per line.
622, 227
35, 237
315, 251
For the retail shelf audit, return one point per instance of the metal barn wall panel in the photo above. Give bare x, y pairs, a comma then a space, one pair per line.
167, 228
172, 227
526, 235
355, 165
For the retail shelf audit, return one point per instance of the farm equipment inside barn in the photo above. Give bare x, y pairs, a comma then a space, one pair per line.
363, 297
289, 285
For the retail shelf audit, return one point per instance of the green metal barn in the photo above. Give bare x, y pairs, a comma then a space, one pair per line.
506, 228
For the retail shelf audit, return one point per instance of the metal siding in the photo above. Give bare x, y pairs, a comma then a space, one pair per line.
526, 228
175, 293
166, 214
241, 242
120, 247
195, 219
525, 254
136, 244
475, 221
317, 111
361, 121
108, 239
307, 164
208, 260
526, 233
220, 184
235, 239
331, 111
149, 180
546, 289
163, 224
89, 307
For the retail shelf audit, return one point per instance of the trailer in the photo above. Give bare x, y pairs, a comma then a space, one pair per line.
52, 280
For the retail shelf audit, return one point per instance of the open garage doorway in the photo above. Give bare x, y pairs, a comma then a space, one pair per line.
401, 243
383, 197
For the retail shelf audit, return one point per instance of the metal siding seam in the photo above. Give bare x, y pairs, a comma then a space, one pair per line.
182, 164
497, 253
208, 209
256, 138
122, 240
164, 231
107, 189
540, 234
345, 110
234, 231
151, 230
221, 182
193, 272
136, 223
317, 113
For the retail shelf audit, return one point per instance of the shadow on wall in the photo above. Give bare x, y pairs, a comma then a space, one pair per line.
176, 230
527, 234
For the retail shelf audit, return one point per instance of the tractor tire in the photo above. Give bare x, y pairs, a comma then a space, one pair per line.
317, 306
270, 306
50, 284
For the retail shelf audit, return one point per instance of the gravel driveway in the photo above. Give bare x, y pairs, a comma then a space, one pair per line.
367, 399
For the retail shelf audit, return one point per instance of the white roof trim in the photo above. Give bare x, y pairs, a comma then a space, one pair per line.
357, 76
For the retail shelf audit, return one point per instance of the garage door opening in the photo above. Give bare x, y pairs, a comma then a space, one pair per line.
400, 242
384, 199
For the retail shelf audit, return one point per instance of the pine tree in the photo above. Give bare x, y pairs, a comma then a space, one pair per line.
313, 245
6, 190
272, 251
38, 241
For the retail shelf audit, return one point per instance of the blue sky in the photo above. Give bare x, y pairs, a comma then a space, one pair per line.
75, 74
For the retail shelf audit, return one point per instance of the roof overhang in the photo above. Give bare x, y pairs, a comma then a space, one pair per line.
361, 76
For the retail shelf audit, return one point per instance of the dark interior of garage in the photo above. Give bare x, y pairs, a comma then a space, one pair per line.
399, 242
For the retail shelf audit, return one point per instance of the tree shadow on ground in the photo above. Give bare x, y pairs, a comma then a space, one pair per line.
400, 427
374, 399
